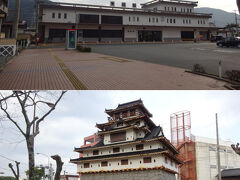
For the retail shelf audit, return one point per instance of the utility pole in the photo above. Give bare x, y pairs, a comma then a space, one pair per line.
218, 151
236, 21
15, 23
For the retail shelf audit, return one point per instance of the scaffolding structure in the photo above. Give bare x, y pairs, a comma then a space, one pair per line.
182, 139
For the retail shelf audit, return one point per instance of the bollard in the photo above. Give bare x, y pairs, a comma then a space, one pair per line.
220, 69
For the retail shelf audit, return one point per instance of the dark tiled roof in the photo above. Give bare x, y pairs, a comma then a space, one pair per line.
118, 155
125, 105
154, 134
231, 172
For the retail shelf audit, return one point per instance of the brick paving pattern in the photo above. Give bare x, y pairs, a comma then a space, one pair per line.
61, 69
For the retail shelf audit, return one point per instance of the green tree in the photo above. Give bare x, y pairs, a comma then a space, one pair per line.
7, 178
39, 173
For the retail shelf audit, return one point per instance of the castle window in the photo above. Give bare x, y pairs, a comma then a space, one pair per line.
95, 152
124, 114
59, 15
116, 150
132, 112
147, 160
65, 15
104, 163
149, 20
86, 165
171, 21
184, 21
166, 160
139, 146
119, 124
116, 137
53, 15
156, 19
174, 21
137, 19
129, 19
124, 162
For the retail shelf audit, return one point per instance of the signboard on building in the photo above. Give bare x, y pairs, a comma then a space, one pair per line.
71, 39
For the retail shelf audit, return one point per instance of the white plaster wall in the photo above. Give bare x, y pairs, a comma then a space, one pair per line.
134, 162
106, 139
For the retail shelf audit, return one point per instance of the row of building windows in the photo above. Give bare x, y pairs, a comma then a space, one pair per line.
201, 22
117, 149
127, 162
187, 21
188, 10
171, 21
59, 15
133, 19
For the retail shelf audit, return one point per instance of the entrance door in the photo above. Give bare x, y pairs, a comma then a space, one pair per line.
187, 35
149, 36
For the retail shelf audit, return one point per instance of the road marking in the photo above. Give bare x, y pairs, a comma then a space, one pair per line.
70, 75
224, 51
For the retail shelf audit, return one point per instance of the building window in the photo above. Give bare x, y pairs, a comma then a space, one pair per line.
112, 3
139, 147
203, 22
65, 15
186, 21
124, 114
165, 8
171, 21
147, 160
137, 19
116, 150
140, 162
134, 5
174, 21
95, 152
157, 20
154, 160
104, 163
150, 147
198, 21
167, 20
153, 19
53, 15
168, 9
130, 162
124, 162
59, 15
129, 19
175, 9
123, 4
149, 20
134, 19
172, 8
190, 21
190, 10
166, 160
86, 165
116, 137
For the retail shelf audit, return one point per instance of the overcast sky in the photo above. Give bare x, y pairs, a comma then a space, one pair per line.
78, 112
227, 5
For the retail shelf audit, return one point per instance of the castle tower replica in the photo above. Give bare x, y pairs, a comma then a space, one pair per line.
131, 147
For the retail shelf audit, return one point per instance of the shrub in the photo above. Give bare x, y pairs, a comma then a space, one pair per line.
83, 49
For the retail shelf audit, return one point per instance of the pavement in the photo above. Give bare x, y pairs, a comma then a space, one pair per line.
60, 69
182, 55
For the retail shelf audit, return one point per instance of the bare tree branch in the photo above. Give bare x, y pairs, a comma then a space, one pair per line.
14, 172
45, 115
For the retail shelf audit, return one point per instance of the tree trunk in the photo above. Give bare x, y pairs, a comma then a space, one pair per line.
15, 23
59, 163
238, 3
31, 160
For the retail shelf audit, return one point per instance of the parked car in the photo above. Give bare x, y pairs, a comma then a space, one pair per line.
229, 42
215, 38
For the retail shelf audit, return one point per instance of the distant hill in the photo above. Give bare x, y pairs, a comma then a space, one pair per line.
220, 17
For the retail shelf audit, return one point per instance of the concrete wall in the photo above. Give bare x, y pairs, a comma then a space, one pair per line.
134, 175
206, 162
128, 18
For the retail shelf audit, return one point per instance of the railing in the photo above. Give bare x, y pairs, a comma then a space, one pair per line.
87, 6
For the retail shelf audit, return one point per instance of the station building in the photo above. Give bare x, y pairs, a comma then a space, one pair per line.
158, 20
130, 147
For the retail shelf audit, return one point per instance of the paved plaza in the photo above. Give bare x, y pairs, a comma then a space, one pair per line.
61, 69
182, 55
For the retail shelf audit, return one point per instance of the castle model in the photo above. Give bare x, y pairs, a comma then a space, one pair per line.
131, 146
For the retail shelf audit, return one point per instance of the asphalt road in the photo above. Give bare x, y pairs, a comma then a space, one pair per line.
183, 55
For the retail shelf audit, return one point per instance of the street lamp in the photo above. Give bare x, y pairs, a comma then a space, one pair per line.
49, 170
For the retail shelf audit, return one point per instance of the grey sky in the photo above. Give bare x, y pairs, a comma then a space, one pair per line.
76, 116
227, 5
